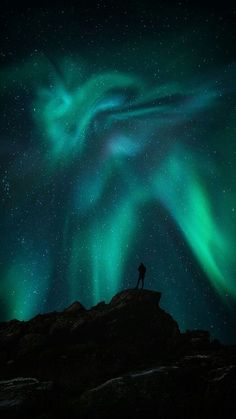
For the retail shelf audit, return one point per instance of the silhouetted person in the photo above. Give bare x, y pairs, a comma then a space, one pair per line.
142, 271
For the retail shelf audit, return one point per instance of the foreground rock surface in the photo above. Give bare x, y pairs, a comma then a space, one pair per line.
125, 357
21, 396
191, 388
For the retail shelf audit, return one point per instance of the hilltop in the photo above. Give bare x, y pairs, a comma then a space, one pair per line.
127, 357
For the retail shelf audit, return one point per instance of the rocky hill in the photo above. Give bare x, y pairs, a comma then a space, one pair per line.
127, 357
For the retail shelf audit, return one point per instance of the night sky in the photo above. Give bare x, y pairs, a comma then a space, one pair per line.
118, 145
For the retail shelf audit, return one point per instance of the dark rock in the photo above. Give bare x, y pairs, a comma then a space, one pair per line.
22, 396
157, 392
31, 342
74, 308
198, 335
186, 389
215, 344
160, 371
41, 323
99, 306
61, 326
221, 393
10, 333
136, 296
195, 341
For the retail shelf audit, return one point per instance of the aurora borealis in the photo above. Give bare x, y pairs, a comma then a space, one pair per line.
116, 150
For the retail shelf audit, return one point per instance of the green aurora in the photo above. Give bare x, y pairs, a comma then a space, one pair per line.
104, 147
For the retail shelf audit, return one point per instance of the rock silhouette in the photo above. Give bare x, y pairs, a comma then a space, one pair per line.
127, 357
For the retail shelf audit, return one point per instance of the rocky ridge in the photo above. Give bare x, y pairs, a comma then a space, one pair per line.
127, 357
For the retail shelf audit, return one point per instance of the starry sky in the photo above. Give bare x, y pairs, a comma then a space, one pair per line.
117, 146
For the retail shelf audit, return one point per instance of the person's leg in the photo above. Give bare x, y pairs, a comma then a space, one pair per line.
138, 281
142, 282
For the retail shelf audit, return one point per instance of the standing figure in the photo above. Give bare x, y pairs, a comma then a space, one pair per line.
142, 271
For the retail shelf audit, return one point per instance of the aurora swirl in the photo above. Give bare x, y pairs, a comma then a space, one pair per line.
109, 167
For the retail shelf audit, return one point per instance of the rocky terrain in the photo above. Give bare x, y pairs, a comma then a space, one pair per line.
126, 358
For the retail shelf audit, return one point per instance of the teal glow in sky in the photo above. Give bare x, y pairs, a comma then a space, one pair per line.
114, 160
